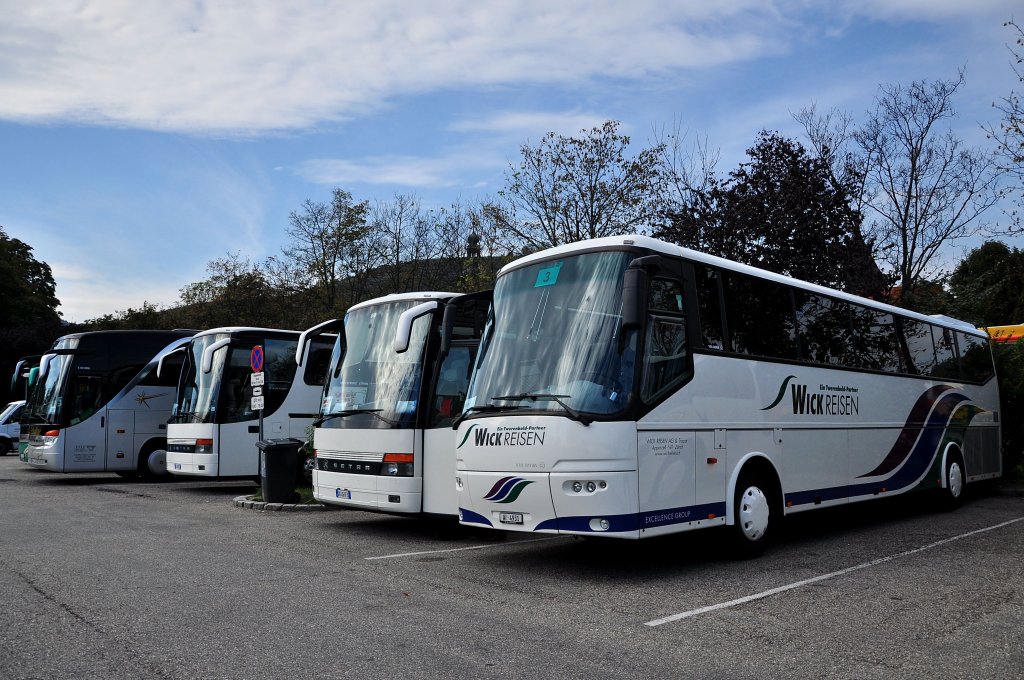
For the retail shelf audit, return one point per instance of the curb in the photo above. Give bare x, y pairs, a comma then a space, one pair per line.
249, 504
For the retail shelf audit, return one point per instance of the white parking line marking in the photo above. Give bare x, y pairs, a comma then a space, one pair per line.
841, 572
469, 547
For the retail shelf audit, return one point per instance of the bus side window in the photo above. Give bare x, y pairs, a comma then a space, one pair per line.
918, 337
666, 359
760, 317
709, 307
318, 360
946, 364
975, 358
452, 385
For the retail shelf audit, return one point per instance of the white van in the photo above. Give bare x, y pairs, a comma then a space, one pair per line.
9, 428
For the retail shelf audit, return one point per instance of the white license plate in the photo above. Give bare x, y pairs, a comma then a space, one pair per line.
177, 466
343, 493
510, 517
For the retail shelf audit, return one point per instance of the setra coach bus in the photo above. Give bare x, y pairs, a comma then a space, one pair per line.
397, 381
629, 387
98, 404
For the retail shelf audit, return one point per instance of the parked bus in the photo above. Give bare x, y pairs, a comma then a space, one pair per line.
398, 378
10, 426
628, 387
213, 428
25, 371
97, 403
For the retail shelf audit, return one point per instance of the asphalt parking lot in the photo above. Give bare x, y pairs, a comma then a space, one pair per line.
100, 577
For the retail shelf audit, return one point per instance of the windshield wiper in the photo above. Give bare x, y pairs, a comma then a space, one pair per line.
191, 415
375, 412
486, 408
557, 398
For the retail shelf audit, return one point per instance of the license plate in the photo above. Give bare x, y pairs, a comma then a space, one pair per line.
177, 466
510, 517
343, 493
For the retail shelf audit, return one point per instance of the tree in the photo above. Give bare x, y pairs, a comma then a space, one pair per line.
236, 293
1009, 136
329, 244
567, 189
29, 320
923, 188
988, 285
783, 212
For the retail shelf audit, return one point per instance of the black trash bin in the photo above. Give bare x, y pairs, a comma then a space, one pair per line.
279, 460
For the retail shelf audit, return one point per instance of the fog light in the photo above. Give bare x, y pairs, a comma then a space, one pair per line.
603, 485
605, 525
577, 487
591, 487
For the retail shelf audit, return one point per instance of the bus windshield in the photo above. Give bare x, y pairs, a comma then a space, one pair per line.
375, 387
196, 400
552, 342
46, 401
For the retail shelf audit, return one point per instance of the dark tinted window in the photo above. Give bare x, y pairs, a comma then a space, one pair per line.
709, 307
975, 357
760, 317
318, 360
874, 343
920, 352
946, 363
169, 374
824, 328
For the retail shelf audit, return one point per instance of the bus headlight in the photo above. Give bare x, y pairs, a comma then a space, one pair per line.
50, 437
204, 446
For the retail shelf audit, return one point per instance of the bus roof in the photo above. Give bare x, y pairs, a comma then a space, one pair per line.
233, 330
402, 297
656, 245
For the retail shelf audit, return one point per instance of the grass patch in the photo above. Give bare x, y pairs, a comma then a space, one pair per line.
305, 495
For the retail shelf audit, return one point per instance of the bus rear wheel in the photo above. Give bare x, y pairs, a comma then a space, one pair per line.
753, 520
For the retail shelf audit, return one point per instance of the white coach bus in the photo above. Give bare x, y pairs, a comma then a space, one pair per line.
628, 387
213, 429
397, 381
98, 404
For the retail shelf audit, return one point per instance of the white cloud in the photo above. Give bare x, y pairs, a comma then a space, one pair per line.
235, 66
449, 170
528, 123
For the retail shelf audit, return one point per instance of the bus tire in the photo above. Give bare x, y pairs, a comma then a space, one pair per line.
754, 515
153, 462
5, 447
954, 480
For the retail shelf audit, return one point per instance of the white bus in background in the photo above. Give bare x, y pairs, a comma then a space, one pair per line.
628, 387
98, 404
397, 380
9, 427
213, 429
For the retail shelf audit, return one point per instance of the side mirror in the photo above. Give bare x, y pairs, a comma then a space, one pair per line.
634, 298
160, 363
208, 354
404, 331
309, 334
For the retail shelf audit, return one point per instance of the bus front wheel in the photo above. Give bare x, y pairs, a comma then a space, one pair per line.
753, 519
153, 463
955, 481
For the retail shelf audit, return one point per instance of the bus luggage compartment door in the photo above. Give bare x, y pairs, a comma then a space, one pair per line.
120, 453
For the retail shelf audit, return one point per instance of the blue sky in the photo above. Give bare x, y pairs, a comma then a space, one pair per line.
140, 139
